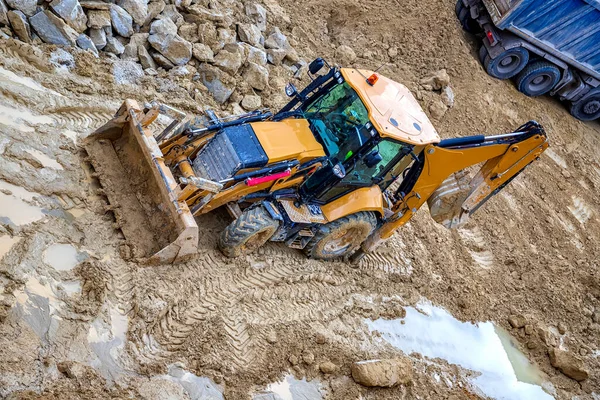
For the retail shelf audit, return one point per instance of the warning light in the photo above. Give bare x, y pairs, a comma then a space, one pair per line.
372, 80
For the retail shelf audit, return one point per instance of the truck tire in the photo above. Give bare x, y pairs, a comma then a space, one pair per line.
464, 17
507, 64
588, 108
248, 232
538, 78
341, 237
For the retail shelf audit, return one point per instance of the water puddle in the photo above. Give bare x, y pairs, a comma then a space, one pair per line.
44, 159
71, 287
107, 342
38, 306
14, 118
6, 243
291, 388
62, 257
505, 372
14, 206
196, 387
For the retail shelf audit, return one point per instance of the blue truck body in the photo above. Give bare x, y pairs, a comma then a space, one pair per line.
567, 29
546, 46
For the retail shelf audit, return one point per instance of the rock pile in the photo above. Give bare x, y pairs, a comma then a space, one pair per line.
220, 42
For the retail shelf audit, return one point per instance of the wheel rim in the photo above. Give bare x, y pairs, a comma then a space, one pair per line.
341, 242
592, 106
509, 63
540, 83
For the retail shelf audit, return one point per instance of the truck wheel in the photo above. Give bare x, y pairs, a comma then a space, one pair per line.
507, 64
464, 17
341, 237
588, 108
248, 232
538, 78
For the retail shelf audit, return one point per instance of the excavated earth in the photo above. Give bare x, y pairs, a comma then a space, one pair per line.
78, 321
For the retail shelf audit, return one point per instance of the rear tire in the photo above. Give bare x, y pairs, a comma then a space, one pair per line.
507, 64
341, 237
588, 108
248, 232
538, 78
464, 17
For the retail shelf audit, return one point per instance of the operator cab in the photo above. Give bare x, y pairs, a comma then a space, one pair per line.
371, 128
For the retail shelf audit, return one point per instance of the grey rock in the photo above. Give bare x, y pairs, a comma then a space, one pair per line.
211, 78
127, 72
161, 60
20, 26
27, 7
276, 56
71, 12
225, 37
113, 45
276, 40
3, 11
251, 102
154, 9
86, 43
163, 37
345, 55
189, 32
138, 9
131, 48
258, 15
202, 52
256, 76
98, 19
52, 29
95, 5
121, 21
228, 61
98, 37
171, 12
145, 58
256, 55
569, 364
448, 96
250, 34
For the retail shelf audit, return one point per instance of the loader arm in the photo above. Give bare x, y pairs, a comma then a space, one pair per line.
451, 200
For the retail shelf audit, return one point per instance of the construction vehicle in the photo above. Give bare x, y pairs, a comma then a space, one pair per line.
546, 46
345, 163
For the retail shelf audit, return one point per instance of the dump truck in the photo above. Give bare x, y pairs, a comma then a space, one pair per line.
546, 46
349, 160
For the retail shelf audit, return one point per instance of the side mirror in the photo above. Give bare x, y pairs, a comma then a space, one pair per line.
316, 65
339, 170
290, 90
372, 159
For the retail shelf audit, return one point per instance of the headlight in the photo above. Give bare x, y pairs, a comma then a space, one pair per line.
373, 132
340, 80
290, 90
339, 170
368, 125
337, 74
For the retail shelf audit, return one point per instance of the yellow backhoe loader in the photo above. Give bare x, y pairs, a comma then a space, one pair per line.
344, 164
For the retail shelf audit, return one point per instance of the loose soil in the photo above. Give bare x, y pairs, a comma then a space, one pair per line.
108, 327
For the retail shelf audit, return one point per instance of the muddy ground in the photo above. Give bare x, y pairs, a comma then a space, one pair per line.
80, 322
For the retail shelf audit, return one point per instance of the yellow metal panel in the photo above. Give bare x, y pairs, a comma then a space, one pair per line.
393, 110
363, 199
290, 139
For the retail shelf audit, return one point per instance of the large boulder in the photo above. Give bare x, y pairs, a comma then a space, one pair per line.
138, 9
202, 52
113, 45
154, 10
51, 29
250, 34
568, 364
121, 21
345, 55
71, 12
27, 7
276, 40
164, 38
131, 48
98, 37
258, 15
255, 55
145, 58
86, 43
20, 26
3, 13
228, 61
257, 76
212, 78
189, 32
251, 102
382, 373
98, 19
207, 34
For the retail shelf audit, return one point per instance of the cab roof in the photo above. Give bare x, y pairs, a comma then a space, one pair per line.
393, 110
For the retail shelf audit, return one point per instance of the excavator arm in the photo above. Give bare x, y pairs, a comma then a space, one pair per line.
439, 176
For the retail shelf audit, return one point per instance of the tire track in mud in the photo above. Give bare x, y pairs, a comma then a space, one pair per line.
389, 261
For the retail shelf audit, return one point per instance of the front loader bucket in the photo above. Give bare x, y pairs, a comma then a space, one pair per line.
141, 189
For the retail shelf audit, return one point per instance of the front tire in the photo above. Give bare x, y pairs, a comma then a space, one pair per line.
538, 78
588, 108
248, 232
507, 64
341, 237
464, 17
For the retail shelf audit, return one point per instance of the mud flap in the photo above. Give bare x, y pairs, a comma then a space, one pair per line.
141, 190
